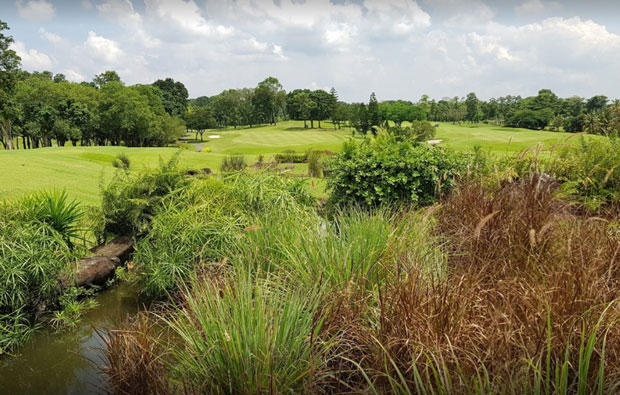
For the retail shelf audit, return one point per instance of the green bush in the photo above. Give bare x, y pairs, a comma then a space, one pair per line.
201, 223
589, 170
290, 156
385, 171
315, 165
35, 251
233, 163
130, 199
122, 161
419, 131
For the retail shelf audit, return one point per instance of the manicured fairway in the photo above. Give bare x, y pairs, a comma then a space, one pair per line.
80, 170
495, 138
273, 139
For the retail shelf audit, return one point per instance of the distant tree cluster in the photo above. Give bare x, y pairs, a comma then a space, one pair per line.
546, 110
41, 108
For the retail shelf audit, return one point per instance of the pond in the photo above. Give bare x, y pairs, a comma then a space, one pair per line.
66, 362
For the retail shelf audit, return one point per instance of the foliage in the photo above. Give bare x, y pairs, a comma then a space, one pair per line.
201, 222
33, 254
233, 163
130, 199
315, 165
122, 161
290, 156
262, 334
589, 170
419, 131
54, 209
384, 171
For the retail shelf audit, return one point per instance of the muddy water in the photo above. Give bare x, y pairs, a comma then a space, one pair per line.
66, 362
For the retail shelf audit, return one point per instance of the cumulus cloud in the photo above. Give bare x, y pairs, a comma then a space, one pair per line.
31, 58
397, 48
123, 13
49, 36
102, 48
35, 10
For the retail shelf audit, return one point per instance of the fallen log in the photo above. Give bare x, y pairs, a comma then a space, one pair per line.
98, 268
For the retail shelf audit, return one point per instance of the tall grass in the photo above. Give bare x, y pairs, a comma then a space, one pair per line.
246, 336
232, 163
35, 249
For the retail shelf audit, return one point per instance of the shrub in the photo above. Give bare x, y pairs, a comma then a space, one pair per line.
54, 209
315, 166
122, 161
33, 254
130, 200
201, 222
290, 156
233, 163
385, 171
590, 170
206, 149
419, 131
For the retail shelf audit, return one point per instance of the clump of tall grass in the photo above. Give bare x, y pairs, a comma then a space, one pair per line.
315, 165
528, 293
134, 361
246, 336
35, 249
122, 161
232, 163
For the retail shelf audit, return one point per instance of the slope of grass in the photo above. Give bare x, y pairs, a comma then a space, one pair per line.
79, 170
495, 138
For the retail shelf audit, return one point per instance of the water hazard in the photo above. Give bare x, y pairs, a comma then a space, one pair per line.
66, 362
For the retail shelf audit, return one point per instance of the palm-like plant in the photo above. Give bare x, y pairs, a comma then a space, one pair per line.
591, 123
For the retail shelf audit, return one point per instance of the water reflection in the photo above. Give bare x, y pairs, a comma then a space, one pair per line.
64, 363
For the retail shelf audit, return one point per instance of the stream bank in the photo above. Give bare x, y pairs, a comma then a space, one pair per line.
65, 361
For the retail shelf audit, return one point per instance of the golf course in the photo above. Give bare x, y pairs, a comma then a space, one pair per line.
80, 170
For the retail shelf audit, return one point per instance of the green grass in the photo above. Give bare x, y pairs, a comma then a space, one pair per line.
495, 138
80, 169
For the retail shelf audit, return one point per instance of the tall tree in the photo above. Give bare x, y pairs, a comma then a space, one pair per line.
374, 115
269, 99
174, 96
9, 66
473, 105
106, 77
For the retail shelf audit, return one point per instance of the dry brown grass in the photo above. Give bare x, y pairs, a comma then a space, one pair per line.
518, 259
134, 364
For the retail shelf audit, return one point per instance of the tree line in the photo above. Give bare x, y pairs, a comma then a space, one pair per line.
40, 108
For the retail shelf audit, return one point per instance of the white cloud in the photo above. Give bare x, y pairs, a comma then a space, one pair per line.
123, 13
102, 48
73, 75
35, 10
537, 7
32, 59
49, 36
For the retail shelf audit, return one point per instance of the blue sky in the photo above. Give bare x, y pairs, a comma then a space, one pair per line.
396, 48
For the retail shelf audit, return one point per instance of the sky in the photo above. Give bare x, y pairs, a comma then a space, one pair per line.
399, 49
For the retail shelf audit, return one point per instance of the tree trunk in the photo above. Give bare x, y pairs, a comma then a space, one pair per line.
319, 124
6, 133
312, 123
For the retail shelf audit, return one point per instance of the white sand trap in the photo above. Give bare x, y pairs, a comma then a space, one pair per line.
433, 142
215, 136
